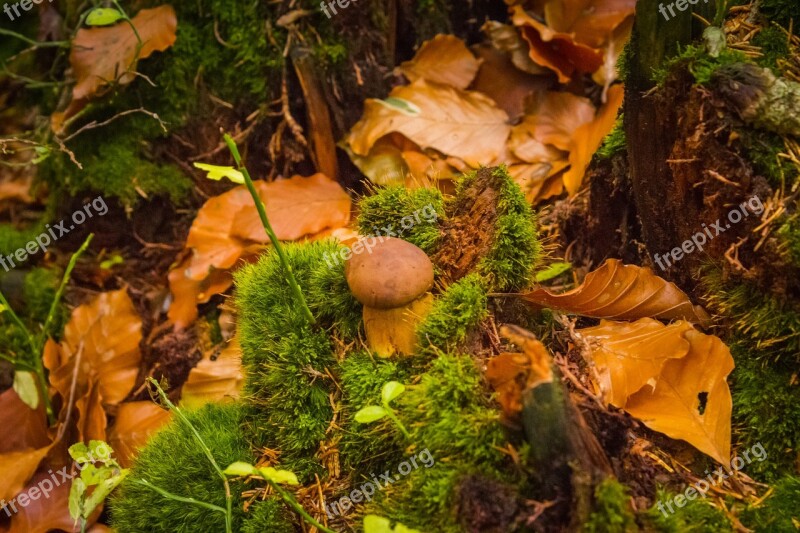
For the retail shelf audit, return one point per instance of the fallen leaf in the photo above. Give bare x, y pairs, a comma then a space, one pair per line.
49, 513
592, 22
688, 398
505, 38
588, 137
464, 124
555, 50
628, 356
17, 468
104, 334
134, 424
444, 59
227, 232
622, 291
554, 122
92, 420
101, 56
213, 380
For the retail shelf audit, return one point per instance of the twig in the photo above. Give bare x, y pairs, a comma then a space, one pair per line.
37, 44
94, 124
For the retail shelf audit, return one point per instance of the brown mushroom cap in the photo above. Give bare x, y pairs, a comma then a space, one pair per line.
393, 274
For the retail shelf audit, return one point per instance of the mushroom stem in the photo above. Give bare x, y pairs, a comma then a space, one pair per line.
391, 331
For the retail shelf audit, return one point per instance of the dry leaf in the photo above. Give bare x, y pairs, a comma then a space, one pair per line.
555, 50
688, 398
101, 56
227, 231
554, 122
215, 380
505, 38
104, 334
444, 59
622, 291
464, 124
134, 424
628, 356
588, 137
92, 420
592, 22
46, 514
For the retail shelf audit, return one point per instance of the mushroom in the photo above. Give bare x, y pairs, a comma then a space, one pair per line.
392, 279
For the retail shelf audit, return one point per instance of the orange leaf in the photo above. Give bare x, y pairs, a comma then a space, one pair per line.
17, 468
629, 355
555, 50
134, 424
689, 399
590, 21
46, 514
92, 420
100, 56
588, 137
554, 122
213, 380
464, 124
104, 334
444, 59
622, 291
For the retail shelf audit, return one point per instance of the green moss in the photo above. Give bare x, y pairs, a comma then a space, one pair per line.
774, 45
789, 234
116, 164
766, 408
780, 513
780, 11
39, 290
770, 325
364, 447
697, 516
423, 210
13, 238
615, 142
268, 516
762, 149
330, 297
612, 509
173, 461
460, 308
699, 63
287, 361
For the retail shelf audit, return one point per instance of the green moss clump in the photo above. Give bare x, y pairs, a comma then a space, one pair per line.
762, 148
781, 11
449, 413
385, 211
612, 510
175, 462
615, 142
364, 447
454, 313
789, 234
697, 516
330, 297
39, 290
774, 45
268, 516
286, 359
770, 325
766, 408
780, 512
12, 238
700, 64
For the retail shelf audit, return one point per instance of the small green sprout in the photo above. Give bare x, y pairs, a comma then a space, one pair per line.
552, 271
216, 173
103, 478
371, 413
378, 524
275, 478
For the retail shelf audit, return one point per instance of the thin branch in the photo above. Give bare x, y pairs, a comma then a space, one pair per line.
94, 124
37, 44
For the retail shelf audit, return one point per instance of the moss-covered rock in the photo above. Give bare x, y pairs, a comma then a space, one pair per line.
175, 462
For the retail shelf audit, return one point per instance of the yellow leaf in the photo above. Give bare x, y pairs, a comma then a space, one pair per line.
622, 291
214, 380
464, 124
444, 59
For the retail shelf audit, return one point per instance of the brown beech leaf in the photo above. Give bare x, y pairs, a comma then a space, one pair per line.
622, 291
464, 124
555, 50
92, 420
691, 400
554, 122
134, 424
227, 232
46, 514
100, 56
592, 22
104, 335
444, 59
630, 355
214, 380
